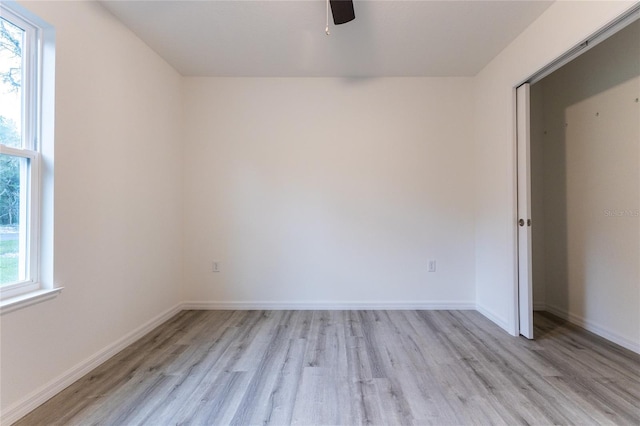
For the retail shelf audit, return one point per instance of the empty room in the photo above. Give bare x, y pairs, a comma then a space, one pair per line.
319, 212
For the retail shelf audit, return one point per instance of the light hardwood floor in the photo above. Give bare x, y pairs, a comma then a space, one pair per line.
351, 368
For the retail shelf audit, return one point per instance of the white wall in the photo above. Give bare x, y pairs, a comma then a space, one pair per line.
564, 25
591, 179
333, 191
118, 238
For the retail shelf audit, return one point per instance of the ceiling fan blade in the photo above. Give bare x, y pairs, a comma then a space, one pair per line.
342, 11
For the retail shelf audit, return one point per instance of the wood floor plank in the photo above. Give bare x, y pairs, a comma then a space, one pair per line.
285, 390
354, 368
255, 405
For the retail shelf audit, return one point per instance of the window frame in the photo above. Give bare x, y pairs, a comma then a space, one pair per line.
37, 84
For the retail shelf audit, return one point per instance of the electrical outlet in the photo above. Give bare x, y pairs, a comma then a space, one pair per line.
431, 265
215, 266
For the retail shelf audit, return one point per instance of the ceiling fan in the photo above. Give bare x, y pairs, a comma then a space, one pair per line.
342, 11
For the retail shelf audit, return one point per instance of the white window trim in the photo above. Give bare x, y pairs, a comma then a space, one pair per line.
39, 136
28, 299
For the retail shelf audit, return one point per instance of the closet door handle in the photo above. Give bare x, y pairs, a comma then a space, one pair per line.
521, 222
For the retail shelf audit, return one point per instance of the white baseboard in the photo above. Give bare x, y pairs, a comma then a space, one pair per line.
595, 328
493, 317
23, 407
335, 306
539, 306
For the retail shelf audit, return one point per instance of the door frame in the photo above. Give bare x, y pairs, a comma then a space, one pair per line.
627, 18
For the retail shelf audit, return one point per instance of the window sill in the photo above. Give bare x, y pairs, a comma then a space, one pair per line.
22, 301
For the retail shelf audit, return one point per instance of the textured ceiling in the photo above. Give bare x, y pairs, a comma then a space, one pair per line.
287, 38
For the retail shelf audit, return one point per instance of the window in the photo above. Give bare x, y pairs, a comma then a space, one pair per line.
25, 155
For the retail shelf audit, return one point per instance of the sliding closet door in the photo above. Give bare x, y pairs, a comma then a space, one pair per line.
525, 283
